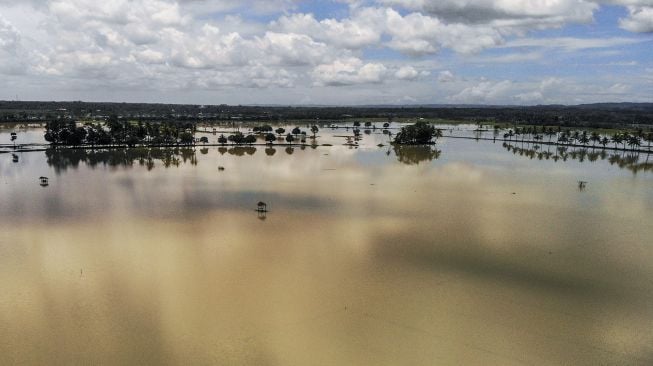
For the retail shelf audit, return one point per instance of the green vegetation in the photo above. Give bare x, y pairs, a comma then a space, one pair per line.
418, 134
115, 132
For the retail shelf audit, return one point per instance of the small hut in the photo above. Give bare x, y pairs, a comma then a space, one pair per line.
262, 207
44, 181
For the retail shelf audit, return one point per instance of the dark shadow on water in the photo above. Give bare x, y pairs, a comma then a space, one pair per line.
512, 269
414, 155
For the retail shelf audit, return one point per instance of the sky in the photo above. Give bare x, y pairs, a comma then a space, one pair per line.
328, 52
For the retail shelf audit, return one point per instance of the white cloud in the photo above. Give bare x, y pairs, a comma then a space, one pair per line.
640, 19
527, 13
349, 71
446, 76
484, 92
348, 33
410, 73
174, 46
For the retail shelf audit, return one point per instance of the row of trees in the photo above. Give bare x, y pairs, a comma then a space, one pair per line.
239, 138
119, 132
116, 132
618, 140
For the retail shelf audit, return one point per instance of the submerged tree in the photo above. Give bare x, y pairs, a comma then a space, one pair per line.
418, 134
270, 138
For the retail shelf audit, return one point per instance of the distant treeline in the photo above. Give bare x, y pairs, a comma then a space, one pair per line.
607, 115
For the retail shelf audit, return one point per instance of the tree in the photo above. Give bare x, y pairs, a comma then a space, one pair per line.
616, 139
290, 139
583, 139
250, 139
314, 130
418, 134
386, 125
222, 140
296, 131
280, 131
270, 138
237, 138
204, 140
186, 138
595, 137
634, 141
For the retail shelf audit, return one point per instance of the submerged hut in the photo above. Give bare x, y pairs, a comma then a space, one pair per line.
262, 207
44, 181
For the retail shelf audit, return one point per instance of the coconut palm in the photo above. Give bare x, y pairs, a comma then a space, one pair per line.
595, 137
616, 139
634, 141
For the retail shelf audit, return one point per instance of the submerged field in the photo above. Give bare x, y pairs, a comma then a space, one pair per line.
468, 252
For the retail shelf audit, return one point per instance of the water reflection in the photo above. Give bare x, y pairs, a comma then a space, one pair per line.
425, 266
632, 161
237, 150
62, 159
413, 155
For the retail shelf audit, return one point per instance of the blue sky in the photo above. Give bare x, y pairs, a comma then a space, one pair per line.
328, 52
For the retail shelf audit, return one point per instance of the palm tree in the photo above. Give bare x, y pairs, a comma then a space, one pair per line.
634, 141
649, 138
583, 139
616, 139
595, 137
437, 134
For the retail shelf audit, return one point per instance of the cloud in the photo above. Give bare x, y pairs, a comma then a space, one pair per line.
515, 13
640, 19
484, 92
572, 43
446, 76
349, 33
349, 71
173, 46
410, 73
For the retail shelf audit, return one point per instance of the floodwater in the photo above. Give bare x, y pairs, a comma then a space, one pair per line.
476, 253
